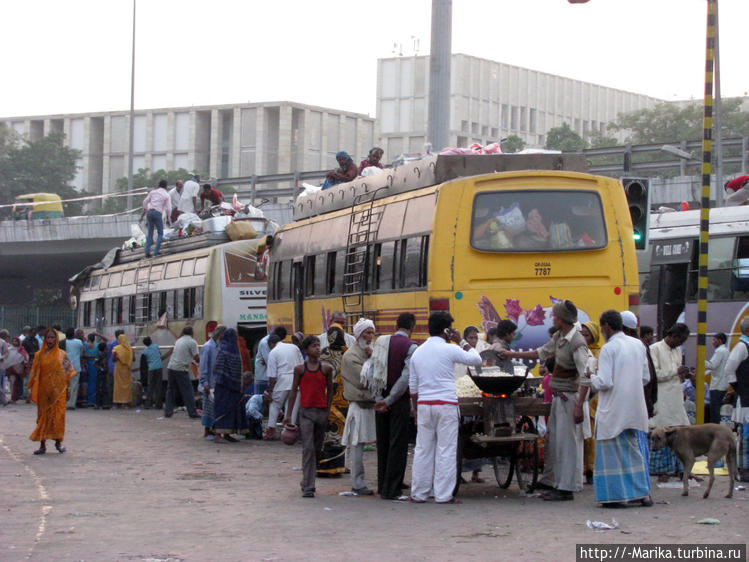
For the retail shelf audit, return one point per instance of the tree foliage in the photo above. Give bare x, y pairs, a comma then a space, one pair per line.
512, 144
669, 123
45, 165
564, 138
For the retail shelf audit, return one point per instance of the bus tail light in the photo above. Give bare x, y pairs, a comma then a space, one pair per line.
634, 300
439, 304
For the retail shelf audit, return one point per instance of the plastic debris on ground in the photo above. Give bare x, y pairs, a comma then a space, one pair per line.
740, 488
348, 493
601, 526
709, 521
678, 485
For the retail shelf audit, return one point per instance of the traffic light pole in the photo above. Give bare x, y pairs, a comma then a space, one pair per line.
707, 132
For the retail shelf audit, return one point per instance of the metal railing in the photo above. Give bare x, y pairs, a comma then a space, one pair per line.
632, 159
14, 317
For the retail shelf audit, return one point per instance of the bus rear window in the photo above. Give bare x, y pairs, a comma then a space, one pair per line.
537, 221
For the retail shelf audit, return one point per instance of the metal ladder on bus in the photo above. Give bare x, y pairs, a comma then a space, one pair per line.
363, 227
142, 303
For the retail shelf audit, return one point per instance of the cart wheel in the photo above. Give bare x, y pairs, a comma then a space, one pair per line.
526, 467
503, 469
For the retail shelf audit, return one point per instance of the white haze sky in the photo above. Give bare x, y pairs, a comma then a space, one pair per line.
74, 55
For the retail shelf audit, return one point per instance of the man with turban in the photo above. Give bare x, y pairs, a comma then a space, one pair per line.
360, 419
563, 453
347, 171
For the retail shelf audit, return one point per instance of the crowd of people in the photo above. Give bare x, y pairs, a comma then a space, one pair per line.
608, 382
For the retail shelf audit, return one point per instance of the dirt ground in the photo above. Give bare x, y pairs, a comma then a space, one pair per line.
135, 486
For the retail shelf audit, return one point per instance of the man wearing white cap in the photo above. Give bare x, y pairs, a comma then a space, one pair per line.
360, 419
650, 389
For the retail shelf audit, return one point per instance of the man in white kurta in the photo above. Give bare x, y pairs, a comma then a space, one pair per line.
432, 387
281, 362
669, 409
621, 466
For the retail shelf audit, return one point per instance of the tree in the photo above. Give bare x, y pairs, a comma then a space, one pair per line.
512, 144
564, 138
143, 178
669, 123
599, 140
45, 165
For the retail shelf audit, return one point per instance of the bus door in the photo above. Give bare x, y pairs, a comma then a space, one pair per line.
297, 286
670, 266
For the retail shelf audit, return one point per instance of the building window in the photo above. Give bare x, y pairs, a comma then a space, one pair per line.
474, 128
505, 116
514, 118
495, 133
464, 126
523, 120
484, 130
532, 125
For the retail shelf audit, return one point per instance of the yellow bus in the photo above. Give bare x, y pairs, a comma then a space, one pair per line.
443, 234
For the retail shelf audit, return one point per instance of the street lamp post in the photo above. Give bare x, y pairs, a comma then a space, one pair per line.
129, 199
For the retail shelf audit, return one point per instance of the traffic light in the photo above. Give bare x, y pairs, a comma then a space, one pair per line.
637, 191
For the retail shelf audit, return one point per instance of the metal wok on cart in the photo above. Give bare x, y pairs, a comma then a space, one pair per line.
500, 427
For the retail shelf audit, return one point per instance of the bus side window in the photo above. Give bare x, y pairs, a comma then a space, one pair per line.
330, 274
410, 263
309, 276
100, 313
320, 279
171, 299
740, 278
131, 309
719, 268
386, 274
424, 262
376, 266
86, 320
283, 286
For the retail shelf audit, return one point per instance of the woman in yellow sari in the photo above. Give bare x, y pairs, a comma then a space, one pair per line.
592, 334
48, 383
122, 355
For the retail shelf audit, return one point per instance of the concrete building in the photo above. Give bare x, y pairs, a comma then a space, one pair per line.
489, 101
218, 141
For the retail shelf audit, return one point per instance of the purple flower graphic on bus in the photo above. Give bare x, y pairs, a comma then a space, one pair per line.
512, 307
535, 316
533, 323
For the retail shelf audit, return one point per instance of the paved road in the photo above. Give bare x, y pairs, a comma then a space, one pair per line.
136, 487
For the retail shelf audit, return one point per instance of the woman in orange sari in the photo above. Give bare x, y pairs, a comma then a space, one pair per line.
48, 383
123, 376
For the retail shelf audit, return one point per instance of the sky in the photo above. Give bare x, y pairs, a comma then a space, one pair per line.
74, 55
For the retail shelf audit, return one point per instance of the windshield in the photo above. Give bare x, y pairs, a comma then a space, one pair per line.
537, 221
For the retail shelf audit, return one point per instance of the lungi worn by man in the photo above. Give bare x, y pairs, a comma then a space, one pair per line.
432, 387
563, 453
621, 466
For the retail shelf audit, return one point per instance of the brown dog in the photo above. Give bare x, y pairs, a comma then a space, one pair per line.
690, 441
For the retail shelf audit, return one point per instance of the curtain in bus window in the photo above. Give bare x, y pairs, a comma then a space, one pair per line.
533, 221
320, 281
385, 269
720, 263
411, 263
198, 306
309, 276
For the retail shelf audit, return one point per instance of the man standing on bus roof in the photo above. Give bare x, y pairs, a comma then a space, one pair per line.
175, 194
338, 319
156, 206
188, 201
178, 377
563, 460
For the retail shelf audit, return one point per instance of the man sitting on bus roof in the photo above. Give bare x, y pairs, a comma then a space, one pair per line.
213, 196
372, 160
346, 171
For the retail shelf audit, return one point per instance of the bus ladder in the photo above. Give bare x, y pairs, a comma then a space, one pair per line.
142, 303
363, 227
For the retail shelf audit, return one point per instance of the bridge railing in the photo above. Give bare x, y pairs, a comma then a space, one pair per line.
14, 317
